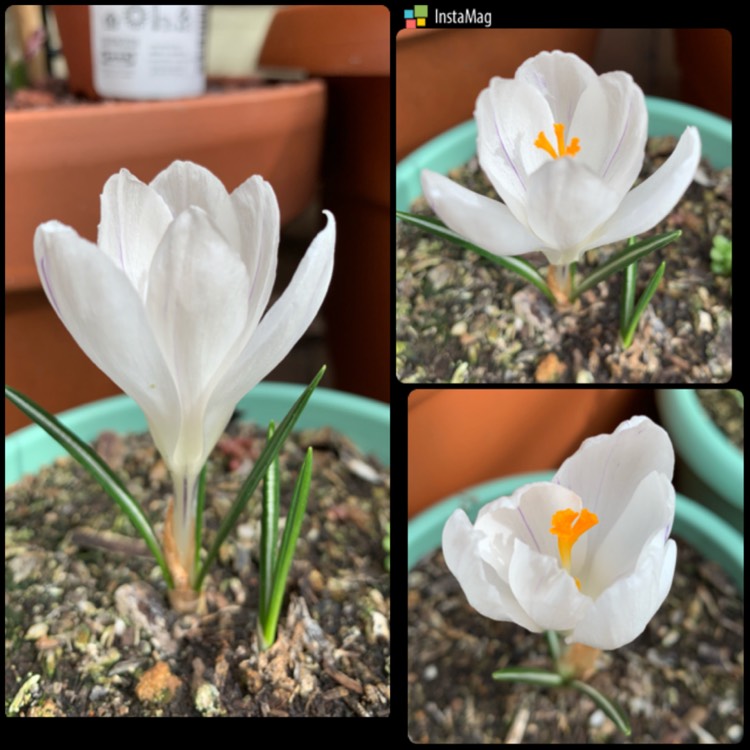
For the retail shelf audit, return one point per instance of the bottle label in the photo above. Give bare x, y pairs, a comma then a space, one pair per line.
148, 51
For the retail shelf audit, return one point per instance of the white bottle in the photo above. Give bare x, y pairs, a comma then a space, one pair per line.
148, 51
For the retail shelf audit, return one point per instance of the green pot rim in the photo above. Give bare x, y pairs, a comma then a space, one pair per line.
458, 145
363, 420
702, 445
709, 534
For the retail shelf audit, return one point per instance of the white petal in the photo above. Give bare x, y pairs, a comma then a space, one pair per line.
624, 610
134, 218
509, 116
527, 515
561, 77
613, 555
611, 122
484, 588
648, 203
106, 317
197, 305
566, 204
607, 469
479, 219
279, 330
547, 592
257, 209
184, 184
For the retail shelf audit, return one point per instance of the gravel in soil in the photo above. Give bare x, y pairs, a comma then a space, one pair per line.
726, 408
88, 631
462, 319
680, 681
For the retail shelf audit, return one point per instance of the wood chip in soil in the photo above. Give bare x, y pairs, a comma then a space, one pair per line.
87, 627
462, 319
680, 681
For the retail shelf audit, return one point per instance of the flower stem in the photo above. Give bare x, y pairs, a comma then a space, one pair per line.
560, 282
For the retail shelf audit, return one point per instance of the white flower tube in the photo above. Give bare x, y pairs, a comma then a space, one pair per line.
562, 148
587, 554
170, 305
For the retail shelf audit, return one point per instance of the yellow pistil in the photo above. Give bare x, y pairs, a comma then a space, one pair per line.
562, 150
568, 526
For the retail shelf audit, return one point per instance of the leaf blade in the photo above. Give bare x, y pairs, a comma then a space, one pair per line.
643, 301
90, 460
511, 263
610, 707
286, 550
258, 471
529, 675
625, 257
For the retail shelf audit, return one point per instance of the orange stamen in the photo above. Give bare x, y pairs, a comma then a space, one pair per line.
562, 150
568, 526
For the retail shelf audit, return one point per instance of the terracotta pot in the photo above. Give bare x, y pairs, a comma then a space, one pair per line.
705, 58
461, 438
57, 162
349, 46
440, 72
75, 31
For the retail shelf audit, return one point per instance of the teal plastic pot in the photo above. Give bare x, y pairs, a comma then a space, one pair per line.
710, 535
711, 469
458, 145
362, 420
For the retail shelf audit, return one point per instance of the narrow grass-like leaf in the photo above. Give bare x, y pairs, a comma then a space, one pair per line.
529, 675
99, 470
269, 531
610, 707
627, 296
625, 257
521, 267
645, 298
286, 550
258, 471
553, 643
199, 507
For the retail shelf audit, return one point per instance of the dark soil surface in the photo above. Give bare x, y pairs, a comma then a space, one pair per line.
460, 318
680, 681
727, 409
88, 631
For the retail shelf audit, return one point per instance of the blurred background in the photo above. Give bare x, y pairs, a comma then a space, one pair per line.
292, 94
461, 438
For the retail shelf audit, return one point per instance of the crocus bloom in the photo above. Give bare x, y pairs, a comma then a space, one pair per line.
562, 148
587, 554
168, 304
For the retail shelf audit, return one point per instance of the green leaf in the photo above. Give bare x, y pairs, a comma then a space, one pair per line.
553, 643
521, 267
610, 707
94, 465
529, 675
258, 471
627, 297
286, 550
625, 257
200, 505
269, 531
648, 293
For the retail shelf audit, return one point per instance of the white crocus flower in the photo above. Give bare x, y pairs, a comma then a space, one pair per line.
562, 148
169, 304
587, 554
